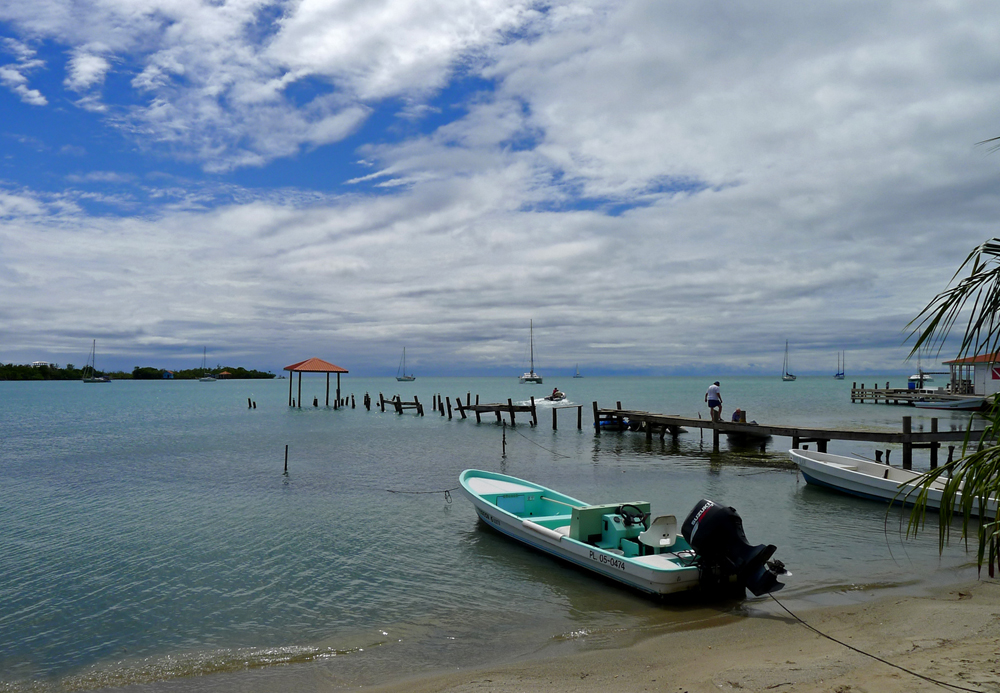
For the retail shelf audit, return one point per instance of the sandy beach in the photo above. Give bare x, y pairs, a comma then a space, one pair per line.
951, 636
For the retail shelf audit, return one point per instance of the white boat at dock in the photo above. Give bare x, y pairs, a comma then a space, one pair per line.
952, 403
617, 541
872, 480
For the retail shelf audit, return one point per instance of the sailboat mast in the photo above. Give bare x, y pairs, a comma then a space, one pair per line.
531, 342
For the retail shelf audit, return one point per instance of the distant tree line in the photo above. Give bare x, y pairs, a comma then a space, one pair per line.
11, 371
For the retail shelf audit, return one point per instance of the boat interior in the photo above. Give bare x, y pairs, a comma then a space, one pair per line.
620, 528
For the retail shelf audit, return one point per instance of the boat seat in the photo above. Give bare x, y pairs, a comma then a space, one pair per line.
662, 533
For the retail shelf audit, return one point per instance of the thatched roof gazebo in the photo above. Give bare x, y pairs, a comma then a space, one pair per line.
314, 365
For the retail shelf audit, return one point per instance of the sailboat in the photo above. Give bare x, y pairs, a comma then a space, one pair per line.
841, 362
206, 377
90, 370
785, 375
404, 378
920, 377
578, 371
531, 376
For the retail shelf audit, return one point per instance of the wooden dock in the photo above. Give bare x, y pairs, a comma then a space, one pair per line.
612, 419
899, 395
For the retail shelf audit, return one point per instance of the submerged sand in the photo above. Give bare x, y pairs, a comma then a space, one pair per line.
952, 636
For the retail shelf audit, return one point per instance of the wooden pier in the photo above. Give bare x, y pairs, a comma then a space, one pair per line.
497, 408
613, 419
899, 395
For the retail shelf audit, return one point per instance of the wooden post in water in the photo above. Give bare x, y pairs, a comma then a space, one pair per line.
579, 418
286, 459
597, 421
715, 438
555, 410
907, 444
448, 400
534, 413
935, 445
510, 403
291, 378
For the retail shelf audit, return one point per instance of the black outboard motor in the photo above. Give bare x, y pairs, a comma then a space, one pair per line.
728, 562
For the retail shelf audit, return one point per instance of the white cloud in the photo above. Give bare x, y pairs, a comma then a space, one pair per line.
13, 75
86, 69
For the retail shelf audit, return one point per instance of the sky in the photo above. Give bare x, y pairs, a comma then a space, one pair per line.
659, 188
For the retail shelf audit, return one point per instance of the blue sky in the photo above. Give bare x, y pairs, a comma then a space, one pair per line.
663, 188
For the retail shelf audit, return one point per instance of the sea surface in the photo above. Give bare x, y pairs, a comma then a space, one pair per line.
151, 540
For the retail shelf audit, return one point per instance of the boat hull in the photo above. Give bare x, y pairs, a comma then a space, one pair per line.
871, 480
658, 574
965, 404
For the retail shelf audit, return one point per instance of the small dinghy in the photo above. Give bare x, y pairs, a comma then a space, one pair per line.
618, 540
873, 480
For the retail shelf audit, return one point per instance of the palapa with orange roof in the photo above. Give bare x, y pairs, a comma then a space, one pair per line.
314, 365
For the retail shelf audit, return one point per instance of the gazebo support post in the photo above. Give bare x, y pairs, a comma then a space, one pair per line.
328, 389
291, 379
300, 389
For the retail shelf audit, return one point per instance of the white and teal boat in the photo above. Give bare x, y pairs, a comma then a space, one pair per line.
618, 541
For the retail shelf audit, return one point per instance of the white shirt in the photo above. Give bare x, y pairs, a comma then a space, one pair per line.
713, 393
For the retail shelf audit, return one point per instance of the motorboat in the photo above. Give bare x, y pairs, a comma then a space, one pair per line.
709, 551
873, 480
952, 403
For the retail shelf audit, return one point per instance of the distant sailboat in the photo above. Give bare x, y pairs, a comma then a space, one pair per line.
206, 377
90, 370
578, 371
401, 375
841, 361
531, 376
785, 375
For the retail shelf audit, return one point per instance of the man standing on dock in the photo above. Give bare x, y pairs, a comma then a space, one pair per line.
714, 399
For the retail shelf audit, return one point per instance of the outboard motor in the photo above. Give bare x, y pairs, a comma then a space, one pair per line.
728, 561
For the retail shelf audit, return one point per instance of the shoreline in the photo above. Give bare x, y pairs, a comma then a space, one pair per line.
949, 635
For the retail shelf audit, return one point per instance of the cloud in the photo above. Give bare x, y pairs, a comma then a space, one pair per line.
241, 83
13, 75
659, 186
85, 69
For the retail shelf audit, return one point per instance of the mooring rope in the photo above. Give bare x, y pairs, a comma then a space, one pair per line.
446, 492
557, 454
943, 684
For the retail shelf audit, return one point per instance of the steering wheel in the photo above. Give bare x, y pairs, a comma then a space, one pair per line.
632, 515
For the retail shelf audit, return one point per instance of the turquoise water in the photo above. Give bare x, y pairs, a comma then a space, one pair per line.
150, 538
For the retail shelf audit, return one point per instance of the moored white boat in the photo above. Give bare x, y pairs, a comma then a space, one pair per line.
531, 377
955, 404
618, 542
871, 480
90, 370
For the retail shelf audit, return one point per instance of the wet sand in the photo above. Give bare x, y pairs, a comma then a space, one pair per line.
952, 635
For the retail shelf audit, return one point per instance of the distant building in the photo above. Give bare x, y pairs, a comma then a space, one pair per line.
975, 375
168, 375
39, 364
